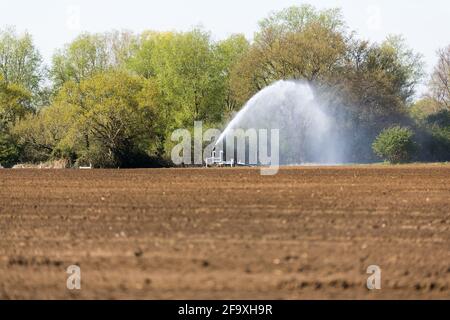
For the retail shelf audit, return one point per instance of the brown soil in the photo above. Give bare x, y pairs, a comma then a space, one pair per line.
226, 233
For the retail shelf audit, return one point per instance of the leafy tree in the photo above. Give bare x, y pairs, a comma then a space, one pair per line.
375, 85
142, 61
423, 108
48, 134
438, 97
117, 97
438, 145
440, 80
395, 144
19, 74
380, 79
20, 61
229, 52
188, 77
89, 54
295, 43
441, 119
118, 114
192, 73
9, 152
368, 85
122, 46
296, 18
15, 103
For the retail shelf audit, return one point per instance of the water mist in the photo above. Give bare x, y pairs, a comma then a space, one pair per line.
307, 130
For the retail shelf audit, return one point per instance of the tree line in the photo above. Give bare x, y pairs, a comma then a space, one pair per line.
113, 99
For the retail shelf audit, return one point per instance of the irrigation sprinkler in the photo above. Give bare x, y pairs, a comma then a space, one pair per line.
218, 161
86, 167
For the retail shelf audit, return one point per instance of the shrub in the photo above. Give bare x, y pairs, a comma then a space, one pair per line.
440, 119
438, 146
395, 144
9, 152
433, 136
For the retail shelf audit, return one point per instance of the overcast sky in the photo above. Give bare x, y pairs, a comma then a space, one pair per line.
424, 23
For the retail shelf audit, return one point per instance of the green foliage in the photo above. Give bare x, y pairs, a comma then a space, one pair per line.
9, 152
108, 120
116, 97
296, 43
89, 54
142, 61
192, 73
395, 144
370, 84
423, 108
378, 80
20, 62
117, 116
440, 119
20, 78
404, 66
47, 135
228, 53
435, 140
298, 18
438, 144
15, 103
189, 77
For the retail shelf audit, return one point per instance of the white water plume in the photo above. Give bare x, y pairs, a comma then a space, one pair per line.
307, 132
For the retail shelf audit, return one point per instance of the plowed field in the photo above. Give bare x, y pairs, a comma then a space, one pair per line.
226, 233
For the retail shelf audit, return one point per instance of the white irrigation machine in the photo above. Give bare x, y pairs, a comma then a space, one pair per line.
220, 161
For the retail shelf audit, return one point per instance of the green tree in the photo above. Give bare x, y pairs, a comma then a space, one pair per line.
228, 54
395, 144
142, 61
423, 108
118, 116
47, 135
296, 18
438, 96
15, 103
9, 151
375, 85
189, 77
20, 77
20, 61
379, 80
89, 54
295, 43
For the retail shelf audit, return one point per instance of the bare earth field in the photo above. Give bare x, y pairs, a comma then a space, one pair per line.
306, 233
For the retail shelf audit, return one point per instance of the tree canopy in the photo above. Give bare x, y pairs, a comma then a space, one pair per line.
114, 98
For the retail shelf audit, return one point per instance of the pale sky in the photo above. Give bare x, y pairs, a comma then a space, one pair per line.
424, 23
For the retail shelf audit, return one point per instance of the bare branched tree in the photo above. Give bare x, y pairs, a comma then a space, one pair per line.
440, 79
